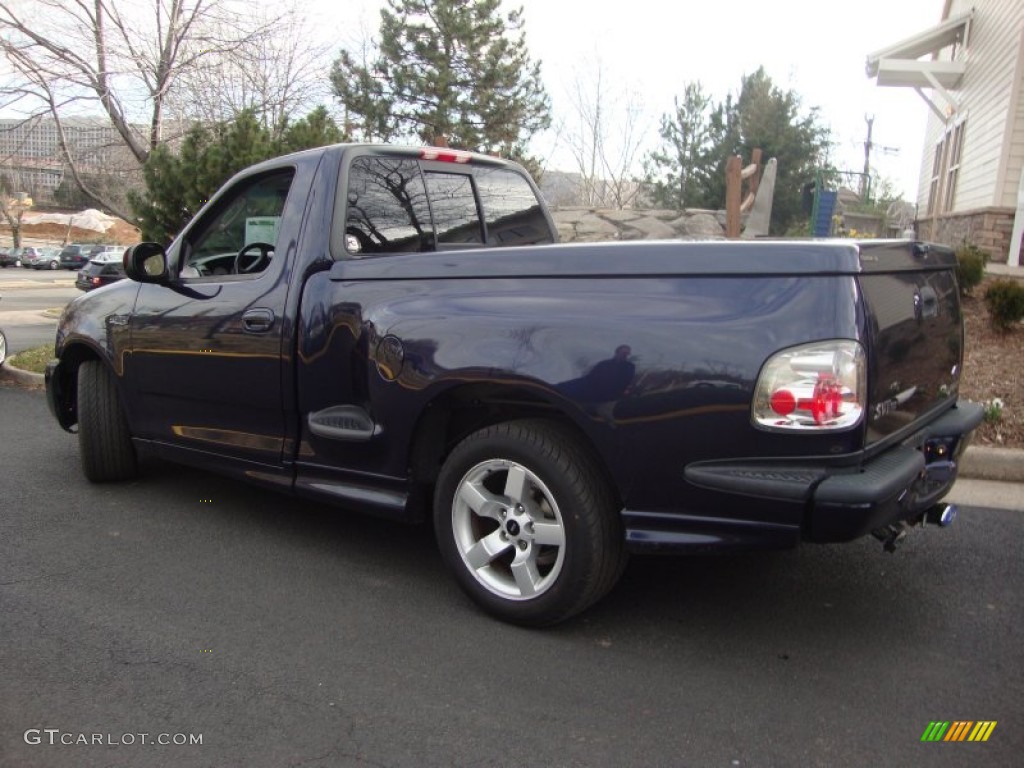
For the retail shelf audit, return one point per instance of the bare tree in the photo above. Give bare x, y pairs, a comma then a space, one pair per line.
287, 73
604, 134
14, 202
127, 61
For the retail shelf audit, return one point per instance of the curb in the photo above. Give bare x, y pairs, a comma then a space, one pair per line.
25, 378
1005, 465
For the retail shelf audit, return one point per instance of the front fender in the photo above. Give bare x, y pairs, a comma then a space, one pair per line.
94, 326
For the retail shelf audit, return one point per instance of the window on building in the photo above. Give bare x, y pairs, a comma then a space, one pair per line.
933, 190
956, 146
946, 169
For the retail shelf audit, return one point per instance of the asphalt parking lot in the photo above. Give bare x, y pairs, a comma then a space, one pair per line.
285, 633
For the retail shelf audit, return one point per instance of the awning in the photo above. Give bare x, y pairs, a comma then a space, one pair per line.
898, 65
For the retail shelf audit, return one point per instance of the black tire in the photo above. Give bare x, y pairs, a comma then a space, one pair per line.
104, 440
542, 560
3, 348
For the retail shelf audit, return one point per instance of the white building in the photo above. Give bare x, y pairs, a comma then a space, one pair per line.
969, 68
30, 151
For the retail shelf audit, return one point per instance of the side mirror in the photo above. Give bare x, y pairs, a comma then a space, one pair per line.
146, 263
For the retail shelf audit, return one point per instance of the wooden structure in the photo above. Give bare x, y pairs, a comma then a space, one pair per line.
736, 203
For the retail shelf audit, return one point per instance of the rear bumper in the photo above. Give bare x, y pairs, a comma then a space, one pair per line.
837, 503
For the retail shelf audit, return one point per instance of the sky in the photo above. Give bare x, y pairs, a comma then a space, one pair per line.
652, 48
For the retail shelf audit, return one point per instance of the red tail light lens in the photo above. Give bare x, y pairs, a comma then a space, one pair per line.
820, 386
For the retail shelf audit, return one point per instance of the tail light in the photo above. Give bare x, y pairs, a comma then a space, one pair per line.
819, 386
445, 155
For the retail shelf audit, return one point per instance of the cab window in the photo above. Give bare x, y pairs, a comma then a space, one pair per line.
456, 216
513, 214
386, 207
239, 236
401, 205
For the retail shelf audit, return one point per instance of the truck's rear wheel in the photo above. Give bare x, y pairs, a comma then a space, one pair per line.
104, 440
527, 523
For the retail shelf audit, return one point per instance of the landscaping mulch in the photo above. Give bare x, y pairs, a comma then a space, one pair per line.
992, 370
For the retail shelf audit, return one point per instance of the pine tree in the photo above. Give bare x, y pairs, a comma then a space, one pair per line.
453, 72
768, 117
317, 129
178, 185
680, 174
762, 116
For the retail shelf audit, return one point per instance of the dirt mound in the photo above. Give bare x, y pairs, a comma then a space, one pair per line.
97, 228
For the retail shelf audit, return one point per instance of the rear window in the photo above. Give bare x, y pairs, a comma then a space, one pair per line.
514, 215
386, 207
454, 205
398, 205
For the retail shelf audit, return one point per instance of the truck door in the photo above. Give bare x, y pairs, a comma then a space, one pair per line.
206, 350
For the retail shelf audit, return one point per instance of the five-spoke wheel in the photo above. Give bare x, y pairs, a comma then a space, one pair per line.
527, 522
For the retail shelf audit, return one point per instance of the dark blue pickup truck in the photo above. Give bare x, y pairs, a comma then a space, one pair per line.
395, 331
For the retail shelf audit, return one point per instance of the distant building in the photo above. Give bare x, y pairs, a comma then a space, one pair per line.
30, 152
971, 186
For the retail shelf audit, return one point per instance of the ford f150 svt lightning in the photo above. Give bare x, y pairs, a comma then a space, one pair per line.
396, 331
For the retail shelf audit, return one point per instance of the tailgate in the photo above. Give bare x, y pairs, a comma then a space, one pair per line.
915, 333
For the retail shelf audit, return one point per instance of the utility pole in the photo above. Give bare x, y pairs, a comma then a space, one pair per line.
868, 146
870, 120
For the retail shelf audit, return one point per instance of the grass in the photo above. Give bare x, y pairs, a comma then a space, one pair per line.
33, 360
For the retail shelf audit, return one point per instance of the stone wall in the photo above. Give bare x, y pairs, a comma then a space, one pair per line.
600, 224
987, 228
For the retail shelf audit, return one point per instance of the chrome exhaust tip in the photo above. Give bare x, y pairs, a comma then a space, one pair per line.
941, 515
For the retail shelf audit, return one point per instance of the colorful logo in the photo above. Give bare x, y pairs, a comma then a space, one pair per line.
958, 730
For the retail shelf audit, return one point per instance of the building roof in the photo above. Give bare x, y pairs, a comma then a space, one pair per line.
899, 65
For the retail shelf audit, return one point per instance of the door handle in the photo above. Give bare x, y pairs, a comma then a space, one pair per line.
258, 320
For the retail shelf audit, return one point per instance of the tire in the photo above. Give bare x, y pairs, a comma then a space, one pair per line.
54, 265
104, 440
17, 262
527, 523
3, 348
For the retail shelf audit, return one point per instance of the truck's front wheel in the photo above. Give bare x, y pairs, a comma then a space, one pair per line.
104, 441
527, 522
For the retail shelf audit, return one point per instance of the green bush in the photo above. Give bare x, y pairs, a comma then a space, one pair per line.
1005, 300
970, 267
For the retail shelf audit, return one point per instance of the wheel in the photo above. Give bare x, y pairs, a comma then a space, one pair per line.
527, 523
54, 265
17, 262
104, 440
3, 348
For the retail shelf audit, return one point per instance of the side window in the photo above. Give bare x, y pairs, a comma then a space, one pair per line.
239, 236
454, 206
386, 207
512, 212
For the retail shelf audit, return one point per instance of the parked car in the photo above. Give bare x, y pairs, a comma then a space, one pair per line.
75, 256
105, 251
45, 258
10, 257
99, 272
27, 254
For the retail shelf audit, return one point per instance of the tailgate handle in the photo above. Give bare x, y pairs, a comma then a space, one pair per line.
258, 320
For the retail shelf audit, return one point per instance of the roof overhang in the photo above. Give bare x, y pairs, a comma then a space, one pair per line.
905, 73
900, 65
